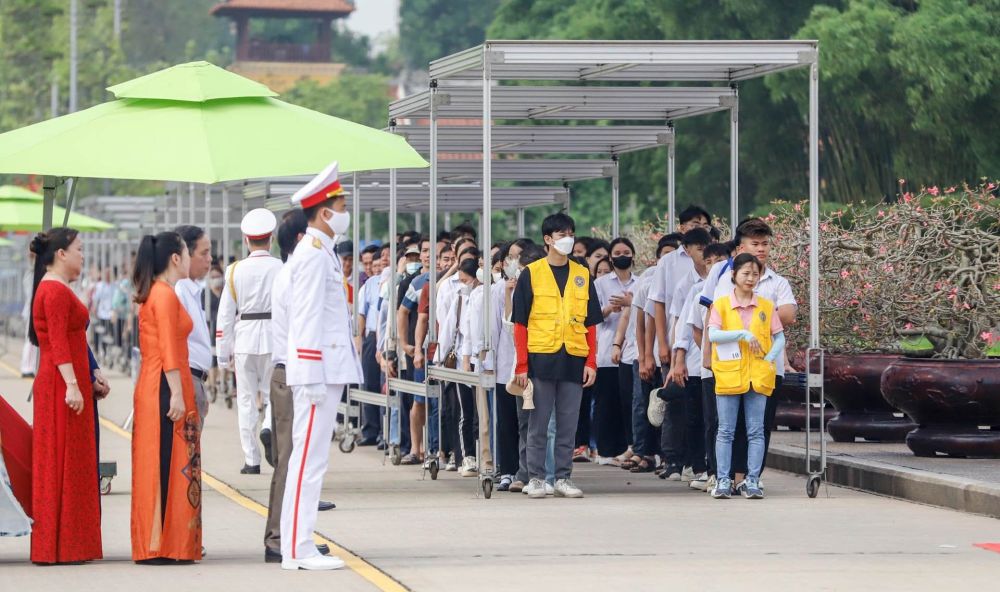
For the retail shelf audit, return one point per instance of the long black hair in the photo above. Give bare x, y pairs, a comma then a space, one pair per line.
152, 259
45, 245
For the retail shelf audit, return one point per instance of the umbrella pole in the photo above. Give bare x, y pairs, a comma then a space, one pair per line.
48, 204
69, 200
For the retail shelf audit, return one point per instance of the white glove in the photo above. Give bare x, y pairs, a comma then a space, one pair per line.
316, 393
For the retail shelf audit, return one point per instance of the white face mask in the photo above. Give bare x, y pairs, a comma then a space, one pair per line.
511, 268
565, 245
217, 282
413, 267
479, 275
497, 277
339, 222
466, 289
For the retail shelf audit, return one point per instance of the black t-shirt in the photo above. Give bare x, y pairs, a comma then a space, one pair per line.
411, 328
560, 365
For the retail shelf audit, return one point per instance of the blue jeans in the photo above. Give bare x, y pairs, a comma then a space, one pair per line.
728, 406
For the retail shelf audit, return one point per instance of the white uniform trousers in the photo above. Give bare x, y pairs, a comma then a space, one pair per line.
312, 431
253, 375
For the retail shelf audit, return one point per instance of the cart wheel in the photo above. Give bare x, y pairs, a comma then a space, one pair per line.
433, 468
347, 444
394, 456
812, 486
105, 485
487, 488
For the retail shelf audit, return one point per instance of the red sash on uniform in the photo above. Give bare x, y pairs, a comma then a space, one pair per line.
15, 434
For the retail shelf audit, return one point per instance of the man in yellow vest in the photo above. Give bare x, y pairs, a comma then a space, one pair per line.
555, 316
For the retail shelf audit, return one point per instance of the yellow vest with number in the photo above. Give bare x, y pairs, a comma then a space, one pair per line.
736, 377
558, 319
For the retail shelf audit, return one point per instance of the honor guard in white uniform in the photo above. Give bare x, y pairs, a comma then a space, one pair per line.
243, 334
321, 361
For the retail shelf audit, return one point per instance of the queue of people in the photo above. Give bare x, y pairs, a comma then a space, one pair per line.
667, 370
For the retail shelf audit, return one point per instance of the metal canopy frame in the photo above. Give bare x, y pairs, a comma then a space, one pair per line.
634, 103
541, 139
625, 61
601, 61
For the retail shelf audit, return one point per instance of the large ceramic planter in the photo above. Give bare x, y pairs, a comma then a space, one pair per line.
953, 401
791, 411
853, 384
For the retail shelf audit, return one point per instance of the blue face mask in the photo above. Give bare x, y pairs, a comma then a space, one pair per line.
413, 267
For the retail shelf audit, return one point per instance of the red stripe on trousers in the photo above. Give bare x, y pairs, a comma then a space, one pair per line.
298, 491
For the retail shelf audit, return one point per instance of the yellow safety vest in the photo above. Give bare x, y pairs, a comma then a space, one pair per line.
736, 377
558, 319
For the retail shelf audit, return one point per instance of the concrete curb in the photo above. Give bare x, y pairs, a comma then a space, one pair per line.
957, 493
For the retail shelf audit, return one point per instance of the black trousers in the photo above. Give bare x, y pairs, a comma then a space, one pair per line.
468, 424
740, 436
612, 419
651, 435
371, 418
450, 415
506, 437
405, 404
710, 414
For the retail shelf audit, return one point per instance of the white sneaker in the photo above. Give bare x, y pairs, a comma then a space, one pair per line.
549, 490
450, 465
535, 489
710, 485
469, 468
687, 475
565, 488
318, 562
656, 409
700, 482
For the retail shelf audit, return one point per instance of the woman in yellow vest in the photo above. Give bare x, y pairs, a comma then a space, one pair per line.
746, 337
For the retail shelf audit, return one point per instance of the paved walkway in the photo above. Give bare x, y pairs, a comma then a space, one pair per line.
629, 533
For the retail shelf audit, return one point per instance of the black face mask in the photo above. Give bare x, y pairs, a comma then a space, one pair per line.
623, 262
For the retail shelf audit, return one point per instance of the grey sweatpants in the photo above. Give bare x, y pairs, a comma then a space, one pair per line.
564, 397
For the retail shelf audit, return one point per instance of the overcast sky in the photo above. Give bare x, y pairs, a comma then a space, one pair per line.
375, 18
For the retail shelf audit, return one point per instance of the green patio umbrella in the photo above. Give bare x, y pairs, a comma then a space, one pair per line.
17, 192
26, 214
198, 123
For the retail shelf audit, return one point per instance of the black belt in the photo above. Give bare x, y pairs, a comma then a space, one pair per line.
279, 366
200, 374
255, 316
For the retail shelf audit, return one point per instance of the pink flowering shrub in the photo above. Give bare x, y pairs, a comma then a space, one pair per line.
926, 266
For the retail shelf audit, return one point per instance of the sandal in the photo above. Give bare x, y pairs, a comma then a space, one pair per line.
410, 459
631, 463
645, 465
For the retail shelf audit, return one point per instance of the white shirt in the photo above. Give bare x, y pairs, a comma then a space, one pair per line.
279, 315
104, 295
696, 320
772, 286
252, 278
684, 336
447, 307
644, 305
607, 286
191, 296
470, 326
670, 270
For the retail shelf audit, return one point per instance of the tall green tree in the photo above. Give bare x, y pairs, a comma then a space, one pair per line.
361, 98
430, 29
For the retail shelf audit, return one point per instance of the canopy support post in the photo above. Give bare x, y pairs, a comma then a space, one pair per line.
49, 185
487, 199
814, 205
355, 269
393, 305
225, 226
368, 228
432, 335
520, 222
734, 161
615, 188
71, 195
671, 182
